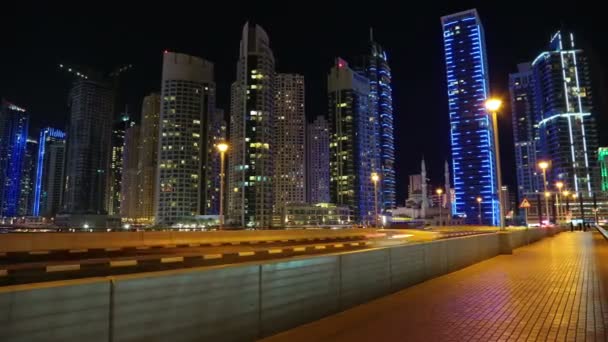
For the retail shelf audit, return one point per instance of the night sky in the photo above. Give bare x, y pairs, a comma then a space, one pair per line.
305, 39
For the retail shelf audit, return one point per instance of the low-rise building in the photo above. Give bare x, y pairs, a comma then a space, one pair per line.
318, 215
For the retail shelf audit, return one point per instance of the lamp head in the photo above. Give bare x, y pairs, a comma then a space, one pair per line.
375, 177
222, 147
493, 104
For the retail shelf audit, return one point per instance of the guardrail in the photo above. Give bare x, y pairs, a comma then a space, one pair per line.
27, 242
31, 272
603, 231
234, 303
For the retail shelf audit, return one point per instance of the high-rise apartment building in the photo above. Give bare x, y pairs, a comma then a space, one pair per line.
130, 176
48, 185
564, 115
216, 134
148, 159
250, 197
188, 98
521, 88
374, 65
353, 147
289, 141
317, 161
89, 147
472, 136
28, 176
119, 129
14, 124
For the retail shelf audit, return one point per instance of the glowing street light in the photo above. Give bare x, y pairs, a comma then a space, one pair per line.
375, 179
479, 208
439, 191
222, 148
493, 105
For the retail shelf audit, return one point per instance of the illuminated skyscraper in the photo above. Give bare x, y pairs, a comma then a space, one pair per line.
14, 123
353, 144
119, 130
48, 186
148, 161
288, 150
374, 65
89, 147
216, 134
317, 161
28, 176
521, 87
188, 98
130, 208
473, 161
564, 115
250, 196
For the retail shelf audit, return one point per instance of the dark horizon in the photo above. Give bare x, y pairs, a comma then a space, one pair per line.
306, 43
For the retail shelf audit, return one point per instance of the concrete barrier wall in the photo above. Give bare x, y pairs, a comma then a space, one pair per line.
61, 311
232, 303
298, 291
203, 305
51, 241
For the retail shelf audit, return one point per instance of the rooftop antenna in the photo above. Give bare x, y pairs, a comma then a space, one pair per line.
371, 34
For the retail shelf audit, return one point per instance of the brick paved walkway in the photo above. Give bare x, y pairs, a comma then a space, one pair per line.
553, 290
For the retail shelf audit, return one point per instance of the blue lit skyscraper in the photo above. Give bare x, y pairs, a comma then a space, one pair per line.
14, 123
48, 184
28, 175
470, 125
374, 65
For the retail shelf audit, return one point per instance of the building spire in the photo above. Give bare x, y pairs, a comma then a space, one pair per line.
371, 34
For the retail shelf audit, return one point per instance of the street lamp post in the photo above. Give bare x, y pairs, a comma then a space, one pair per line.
543, 166
566, 194
479, 209
493, 105
558, 200
222, 147
547, 197
439, 191
375, 179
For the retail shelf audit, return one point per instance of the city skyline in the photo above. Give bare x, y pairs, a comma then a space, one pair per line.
49, 109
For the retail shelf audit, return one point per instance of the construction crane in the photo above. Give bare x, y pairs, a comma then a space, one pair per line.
74, 71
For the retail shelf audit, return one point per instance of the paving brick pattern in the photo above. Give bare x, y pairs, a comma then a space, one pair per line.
553, 290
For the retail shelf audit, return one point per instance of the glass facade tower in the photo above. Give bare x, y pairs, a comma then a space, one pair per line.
353, 144
48, 185
14, 123
374, 65
89, 148
521, 88
471, 133
563, 106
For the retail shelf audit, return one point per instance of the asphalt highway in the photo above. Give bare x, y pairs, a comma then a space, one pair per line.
40, 266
